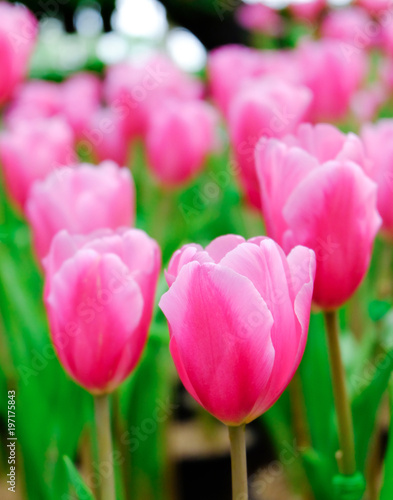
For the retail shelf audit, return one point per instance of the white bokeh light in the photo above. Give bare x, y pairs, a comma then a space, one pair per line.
186, 50
88, 22
112, 48
140, 18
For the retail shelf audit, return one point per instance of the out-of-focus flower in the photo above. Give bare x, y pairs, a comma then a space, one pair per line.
308, 11
75, 100
105, 137
329, 207
261, 18
178, 139
30, 152
263, 109
18, 34
80, 200
99, 294
232, 66
132, 90
378, 141
366, 102
350, 25
320, 60
238, 316
375, 7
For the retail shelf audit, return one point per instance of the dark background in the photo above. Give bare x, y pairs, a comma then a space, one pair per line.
212, 21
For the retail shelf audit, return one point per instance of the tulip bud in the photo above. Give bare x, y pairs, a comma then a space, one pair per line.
99, 295
238, 316
29, 152
80, 200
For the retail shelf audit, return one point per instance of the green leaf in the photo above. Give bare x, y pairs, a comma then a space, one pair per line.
387, 485
365, 405
81, 489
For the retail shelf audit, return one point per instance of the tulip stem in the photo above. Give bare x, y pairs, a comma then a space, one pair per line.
105, 452
346, 455
237, 436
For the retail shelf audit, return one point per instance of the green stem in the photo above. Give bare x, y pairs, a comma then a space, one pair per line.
105, 452
237, 438
346, 456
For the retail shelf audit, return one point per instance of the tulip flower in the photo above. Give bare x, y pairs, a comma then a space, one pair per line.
378, 139
321, 59
133, 89
105, 137
250, 65
375, 7
99, 295
329, 206
238, 315
29, 152
350, 26
75, 100
309, 10
260, 18
80, 200
18, 33
178, 139
263, 109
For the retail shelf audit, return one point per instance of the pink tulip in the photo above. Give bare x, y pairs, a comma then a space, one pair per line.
329, 206
375, 7
350, 25
309, 10
133, 89
99, 294
178, 140
320, 60
80, 99
378, 140
105, 137
80, 200
18, 33
367, 102
263, 109
260, 18
238, 316
250, 64
29, 152
75, 100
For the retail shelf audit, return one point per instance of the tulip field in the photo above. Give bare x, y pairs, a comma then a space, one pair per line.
196, 250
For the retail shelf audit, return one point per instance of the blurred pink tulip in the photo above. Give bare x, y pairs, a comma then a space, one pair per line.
375, 6
263, 109
80, 200
18, 34
99, 294
260, 18
105, 138
29, 152
133, 89
80, 99
378, 140
329, 207
350, 25
308, 10
367, 102
178, 139
75, 100
238, 315
320, 60
232, 66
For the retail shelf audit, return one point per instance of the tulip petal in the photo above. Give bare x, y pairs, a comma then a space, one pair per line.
219, 247
221, 326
